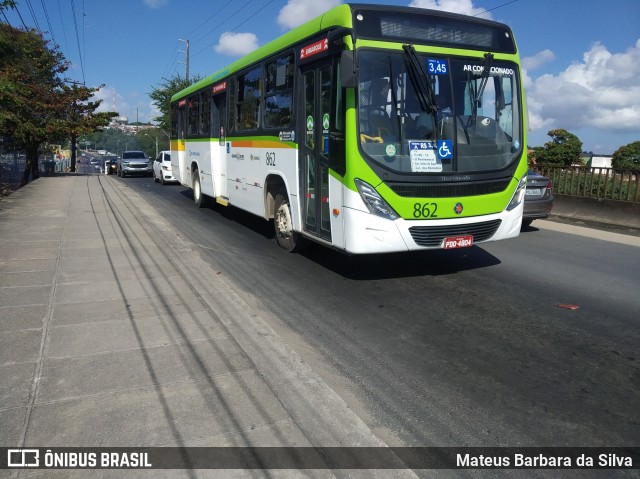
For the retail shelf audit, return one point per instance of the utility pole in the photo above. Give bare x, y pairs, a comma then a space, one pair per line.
186, 56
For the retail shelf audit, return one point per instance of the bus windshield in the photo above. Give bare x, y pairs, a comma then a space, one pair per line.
422, 113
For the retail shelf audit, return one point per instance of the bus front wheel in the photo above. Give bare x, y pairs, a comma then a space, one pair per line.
286, 237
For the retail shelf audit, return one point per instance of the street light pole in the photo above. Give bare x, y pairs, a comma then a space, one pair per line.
186, 56
156, 136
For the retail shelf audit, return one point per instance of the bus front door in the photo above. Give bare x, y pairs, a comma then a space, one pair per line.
314, 148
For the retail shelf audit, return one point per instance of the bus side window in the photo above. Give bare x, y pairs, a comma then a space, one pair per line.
205, 105
278, 102
194, 115
249, 93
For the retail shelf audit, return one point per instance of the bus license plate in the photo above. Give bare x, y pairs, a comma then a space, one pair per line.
457, 242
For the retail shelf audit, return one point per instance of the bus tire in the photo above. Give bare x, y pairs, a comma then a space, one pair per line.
198, 197
283, 225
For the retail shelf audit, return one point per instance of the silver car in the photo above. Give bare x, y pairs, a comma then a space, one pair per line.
134, 162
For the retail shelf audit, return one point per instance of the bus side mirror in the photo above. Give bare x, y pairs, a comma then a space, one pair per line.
348, 77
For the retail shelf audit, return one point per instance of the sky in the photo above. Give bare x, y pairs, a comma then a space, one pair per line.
581, 59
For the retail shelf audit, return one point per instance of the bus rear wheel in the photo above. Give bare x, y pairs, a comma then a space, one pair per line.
283, 224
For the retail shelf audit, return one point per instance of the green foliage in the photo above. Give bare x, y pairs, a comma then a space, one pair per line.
161, 96
29, 87
37, 104
151, 139
627, 157
593, 182
112, 140
116, 141
564, 149
6, 4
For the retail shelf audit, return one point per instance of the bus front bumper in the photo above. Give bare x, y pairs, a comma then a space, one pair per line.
366, 233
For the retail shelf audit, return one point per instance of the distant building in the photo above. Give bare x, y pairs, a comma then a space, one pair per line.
122, 123
600, 162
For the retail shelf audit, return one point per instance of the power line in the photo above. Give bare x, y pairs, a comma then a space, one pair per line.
173, 58
75, 22
33, 15
46, 16
84, 41
495, 8
64, 30
20, 16
237, 26
212, 15
223, 22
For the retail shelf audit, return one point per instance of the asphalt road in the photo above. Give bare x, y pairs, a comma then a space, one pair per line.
474, 347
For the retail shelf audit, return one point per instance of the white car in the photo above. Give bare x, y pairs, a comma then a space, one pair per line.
162, 168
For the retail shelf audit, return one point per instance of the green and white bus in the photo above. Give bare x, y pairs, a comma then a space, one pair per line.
370, 129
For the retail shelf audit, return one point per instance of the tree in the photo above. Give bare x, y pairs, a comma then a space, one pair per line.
36, 103
627, 157
110, 139
564, 149
152, 141
162, 94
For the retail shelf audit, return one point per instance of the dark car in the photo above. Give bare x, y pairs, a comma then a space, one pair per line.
538, 198
111, 165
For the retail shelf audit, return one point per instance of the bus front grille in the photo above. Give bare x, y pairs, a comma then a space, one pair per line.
449, 190
432, 236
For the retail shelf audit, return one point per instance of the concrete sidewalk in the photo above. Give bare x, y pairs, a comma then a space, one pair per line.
105, 344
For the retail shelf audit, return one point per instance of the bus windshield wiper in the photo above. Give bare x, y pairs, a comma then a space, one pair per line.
424, 88
488, 61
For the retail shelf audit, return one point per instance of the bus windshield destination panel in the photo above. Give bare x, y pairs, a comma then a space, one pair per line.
442, 31
412, 141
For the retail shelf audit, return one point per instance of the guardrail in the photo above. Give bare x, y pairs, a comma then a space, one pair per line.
598, 183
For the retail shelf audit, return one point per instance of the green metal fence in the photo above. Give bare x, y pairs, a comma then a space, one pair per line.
606, 183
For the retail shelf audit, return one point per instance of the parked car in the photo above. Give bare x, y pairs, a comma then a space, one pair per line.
162, 168
134, 162
538, 198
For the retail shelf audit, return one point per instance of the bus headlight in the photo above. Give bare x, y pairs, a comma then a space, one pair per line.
374, 201
518, 196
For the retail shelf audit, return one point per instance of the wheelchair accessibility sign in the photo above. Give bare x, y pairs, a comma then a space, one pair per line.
445, 149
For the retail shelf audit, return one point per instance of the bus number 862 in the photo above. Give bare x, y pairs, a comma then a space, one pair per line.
425, 210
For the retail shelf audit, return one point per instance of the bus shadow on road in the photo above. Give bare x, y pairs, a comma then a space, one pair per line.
238, 217
369, 266
401, 265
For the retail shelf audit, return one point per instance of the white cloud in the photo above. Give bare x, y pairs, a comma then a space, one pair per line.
236, 44
600, 92
538, 60
138, 106
155, 3
111, 101
296, 12
464, 7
